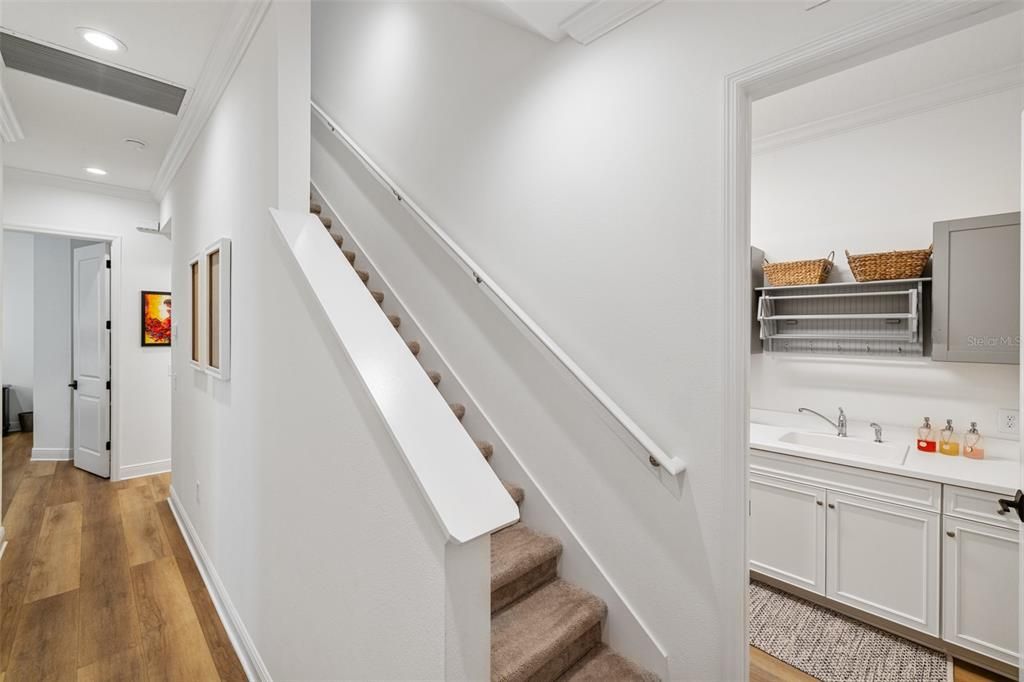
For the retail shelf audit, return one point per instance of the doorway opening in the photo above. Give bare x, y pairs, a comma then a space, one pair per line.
57, 351
839, 146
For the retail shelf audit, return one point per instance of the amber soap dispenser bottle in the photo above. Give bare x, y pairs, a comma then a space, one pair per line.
926, 437
949, 444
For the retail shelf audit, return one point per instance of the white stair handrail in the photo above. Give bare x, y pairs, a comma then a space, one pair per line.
657, 457
458, 484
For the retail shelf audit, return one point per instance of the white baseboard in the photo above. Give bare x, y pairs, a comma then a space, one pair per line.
245, 648
159, 466
51, 454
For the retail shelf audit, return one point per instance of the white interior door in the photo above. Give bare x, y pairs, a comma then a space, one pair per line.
91, 359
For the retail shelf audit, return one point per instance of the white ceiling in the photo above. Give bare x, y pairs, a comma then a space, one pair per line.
67, 128
973, 52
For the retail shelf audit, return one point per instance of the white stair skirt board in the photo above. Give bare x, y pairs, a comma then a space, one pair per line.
244, 647
51, 454
158, 466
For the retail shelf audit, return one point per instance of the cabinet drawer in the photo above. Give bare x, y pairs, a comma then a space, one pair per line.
910, 492
976, 505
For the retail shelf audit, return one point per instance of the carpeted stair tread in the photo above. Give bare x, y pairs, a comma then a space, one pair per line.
326, 221
338, 239
363, 275
486, 449
378, 296
351, 255
604, 665
395, 321
435, 377
314, 207
459, 409
414, 347
517, 549
515, 492
544, 634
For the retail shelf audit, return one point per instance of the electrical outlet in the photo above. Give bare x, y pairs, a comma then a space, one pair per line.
197, 492
1009, 422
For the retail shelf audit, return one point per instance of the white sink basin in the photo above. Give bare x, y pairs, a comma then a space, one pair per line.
854, 448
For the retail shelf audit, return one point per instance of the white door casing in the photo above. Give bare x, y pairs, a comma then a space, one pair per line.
884, 559
91, 359
787, 531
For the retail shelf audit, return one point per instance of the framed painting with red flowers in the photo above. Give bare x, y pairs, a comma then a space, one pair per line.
156, 318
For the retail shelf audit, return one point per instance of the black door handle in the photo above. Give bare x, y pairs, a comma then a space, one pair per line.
1017, 503
73, 385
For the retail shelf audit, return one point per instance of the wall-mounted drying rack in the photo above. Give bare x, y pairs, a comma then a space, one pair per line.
844, 318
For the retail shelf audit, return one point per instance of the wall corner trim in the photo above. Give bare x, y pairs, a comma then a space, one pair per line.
964, 90
76, 184
236, 34
244, 647
10, 129
601, 17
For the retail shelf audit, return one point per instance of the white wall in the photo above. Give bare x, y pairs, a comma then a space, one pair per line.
587, 182
142, 387
18, 284
326, 550
880, 188
52, 359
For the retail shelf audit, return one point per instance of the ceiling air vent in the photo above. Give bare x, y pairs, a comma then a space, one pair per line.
65, 67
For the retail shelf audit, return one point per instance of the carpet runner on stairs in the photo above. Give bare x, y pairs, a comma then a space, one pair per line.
542, 628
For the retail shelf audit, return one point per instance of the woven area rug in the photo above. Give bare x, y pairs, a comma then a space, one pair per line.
833, 648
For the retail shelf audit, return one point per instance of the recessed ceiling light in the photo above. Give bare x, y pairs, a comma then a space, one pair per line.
103, 41
92, 170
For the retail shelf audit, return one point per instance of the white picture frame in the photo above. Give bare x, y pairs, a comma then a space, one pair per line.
216, 305
195, 312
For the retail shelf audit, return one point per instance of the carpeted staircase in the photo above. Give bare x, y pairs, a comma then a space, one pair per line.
542, 628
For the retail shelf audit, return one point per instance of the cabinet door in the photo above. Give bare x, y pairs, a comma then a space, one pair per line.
884, 558
787, 531
979, 588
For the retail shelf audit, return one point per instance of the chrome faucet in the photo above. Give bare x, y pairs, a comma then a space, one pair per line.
839, 425
878, 431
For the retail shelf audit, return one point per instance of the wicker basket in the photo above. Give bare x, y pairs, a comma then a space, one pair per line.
798, 271
873, 267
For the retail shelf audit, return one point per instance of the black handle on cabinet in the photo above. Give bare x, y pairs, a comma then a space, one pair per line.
831, 506
951, 534
73, 385
820, 503
1017, 503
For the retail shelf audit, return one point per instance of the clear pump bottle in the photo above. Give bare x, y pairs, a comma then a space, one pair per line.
926, 436
974, 445
949, 444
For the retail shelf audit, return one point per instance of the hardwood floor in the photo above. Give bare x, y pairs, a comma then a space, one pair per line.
765, 668
97, 582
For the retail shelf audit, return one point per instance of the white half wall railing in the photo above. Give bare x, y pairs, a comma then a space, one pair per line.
459, 485
628, 430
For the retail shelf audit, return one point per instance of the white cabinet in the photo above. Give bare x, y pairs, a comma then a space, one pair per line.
979, 587
883, 558
787, 531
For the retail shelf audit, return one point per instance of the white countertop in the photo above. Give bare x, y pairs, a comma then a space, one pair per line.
999, 472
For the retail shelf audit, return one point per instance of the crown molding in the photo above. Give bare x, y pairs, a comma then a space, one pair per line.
982, 85
10, 129
224, 58
603, 16
25, 175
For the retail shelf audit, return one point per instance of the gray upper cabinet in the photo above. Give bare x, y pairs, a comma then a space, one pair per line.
976, 290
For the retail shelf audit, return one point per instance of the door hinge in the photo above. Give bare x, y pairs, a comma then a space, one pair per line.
108, 264
108, 325
108, 385
108, 445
